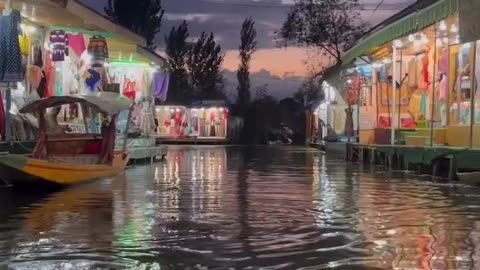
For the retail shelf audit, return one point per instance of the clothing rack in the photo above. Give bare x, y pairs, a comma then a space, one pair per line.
8, 94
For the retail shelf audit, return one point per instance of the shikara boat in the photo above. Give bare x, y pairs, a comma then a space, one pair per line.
68, 159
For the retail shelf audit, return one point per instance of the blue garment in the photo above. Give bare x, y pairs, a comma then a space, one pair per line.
11, 69
423, 104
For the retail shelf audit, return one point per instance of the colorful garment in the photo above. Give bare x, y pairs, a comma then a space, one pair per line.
24, 43
160, 85
76, 43
98, 49
11, 69
58, 45
423, 104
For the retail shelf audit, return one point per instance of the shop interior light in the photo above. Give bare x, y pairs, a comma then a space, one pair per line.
424, 39
443, 26
411, 38
349, 81
445, 40
165, 109
387, 61
454, 28
398, 43
377, 65
129, 63
439, 42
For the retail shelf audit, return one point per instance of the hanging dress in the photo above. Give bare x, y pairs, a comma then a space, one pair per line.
11, 69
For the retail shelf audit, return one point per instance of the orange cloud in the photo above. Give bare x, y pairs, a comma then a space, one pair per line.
278, 61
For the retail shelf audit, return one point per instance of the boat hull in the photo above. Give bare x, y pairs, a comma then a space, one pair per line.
21, 170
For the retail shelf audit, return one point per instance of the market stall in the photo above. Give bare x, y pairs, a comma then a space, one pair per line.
47, 59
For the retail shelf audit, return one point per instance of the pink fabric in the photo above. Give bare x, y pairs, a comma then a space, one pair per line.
443, 88
35, 76
77, 44
443, 62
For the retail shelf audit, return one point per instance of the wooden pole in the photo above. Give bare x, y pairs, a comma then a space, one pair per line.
472, 94
432, 113
394, 79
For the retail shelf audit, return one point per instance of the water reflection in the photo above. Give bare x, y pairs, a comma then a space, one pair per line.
239, 208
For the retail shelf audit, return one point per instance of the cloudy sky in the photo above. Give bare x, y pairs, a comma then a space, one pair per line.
224, 19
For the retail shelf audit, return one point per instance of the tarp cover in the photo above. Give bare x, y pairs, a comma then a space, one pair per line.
106, 104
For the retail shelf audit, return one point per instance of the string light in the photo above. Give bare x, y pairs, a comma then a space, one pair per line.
443, 26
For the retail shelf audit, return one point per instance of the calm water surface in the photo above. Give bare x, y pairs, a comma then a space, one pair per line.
239, 208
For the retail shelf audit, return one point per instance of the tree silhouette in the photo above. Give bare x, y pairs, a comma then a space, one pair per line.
143, 17
177, 51
246, 49
331, 25
204, 63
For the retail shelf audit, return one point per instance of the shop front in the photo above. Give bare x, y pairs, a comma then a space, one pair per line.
57, 55
202, 121
423, 85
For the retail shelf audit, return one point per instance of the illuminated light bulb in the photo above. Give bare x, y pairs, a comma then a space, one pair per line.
165, 109
411, 38
398, 43
387, 60
454, 29
424, 39
417, 43
377, 65
443, 26
438, 42
31, 29
445, 40
349, 81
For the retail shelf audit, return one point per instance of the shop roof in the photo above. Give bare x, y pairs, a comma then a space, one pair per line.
105, 104
71, 13
412, 19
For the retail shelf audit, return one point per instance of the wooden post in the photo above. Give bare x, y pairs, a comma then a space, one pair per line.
472, 95
394, 85
432, 113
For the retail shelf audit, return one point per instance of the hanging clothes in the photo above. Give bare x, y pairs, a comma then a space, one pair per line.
58, 45
76, 43
160, 85
37, 56
11, 69
129, 87
92, 81
98, 49
2, 117
425, 75
412, 73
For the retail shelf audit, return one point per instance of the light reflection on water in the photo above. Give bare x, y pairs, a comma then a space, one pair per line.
239, 208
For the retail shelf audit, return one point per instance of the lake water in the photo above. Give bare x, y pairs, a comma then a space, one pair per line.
244, 208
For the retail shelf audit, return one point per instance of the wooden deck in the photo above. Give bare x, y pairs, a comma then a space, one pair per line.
441, 161
199, 141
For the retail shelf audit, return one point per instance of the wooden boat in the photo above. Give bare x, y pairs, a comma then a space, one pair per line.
469, 178
68, 159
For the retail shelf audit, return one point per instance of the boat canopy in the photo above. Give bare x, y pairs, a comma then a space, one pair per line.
102, 103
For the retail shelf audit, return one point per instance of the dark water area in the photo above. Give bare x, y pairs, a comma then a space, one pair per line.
241, 208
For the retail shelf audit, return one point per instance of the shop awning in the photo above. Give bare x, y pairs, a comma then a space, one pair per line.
73, 14
409, 24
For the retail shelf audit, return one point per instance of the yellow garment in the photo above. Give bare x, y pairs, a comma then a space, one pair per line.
414, 106
24, 43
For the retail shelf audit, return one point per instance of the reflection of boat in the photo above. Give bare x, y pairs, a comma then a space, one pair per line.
70, 158
470, 178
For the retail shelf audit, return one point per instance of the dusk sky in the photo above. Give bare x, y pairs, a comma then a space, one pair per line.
224, 19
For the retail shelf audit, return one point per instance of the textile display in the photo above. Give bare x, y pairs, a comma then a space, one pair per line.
160, 85
58, 45
11, 69
98, 49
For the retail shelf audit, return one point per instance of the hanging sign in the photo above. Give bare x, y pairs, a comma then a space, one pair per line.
469, 26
